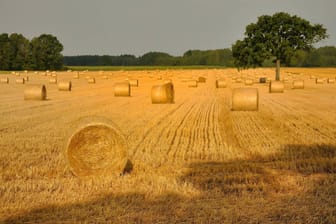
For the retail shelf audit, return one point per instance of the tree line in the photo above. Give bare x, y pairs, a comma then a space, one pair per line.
315, 57
40, 53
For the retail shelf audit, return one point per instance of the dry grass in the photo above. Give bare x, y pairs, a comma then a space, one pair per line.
194, 161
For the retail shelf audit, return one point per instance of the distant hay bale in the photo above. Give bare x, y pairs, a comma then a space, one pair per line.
104, 77
201, 79
221, 83
64, 86
163, 93
245, 99
192, 83
4, 80
122, 89
35, 92
54, 75
331, 80
298, 84
97, 148
20, 81
248, 82
26, 78
53, 81
319, 81
312, 77
167, 81
276, 87
238, 80
76, 76
91, 80
133, 82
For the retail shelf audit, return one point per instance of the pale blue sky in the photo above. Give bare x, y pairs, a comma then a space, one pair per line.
136, 27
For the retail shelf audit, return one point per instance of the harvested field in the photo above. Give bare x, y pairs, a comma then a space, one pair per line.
194, 161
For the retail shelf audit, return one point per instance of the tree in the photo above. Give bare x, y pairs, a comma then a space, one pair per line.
19, 52
46, 52
278, 36
4, 52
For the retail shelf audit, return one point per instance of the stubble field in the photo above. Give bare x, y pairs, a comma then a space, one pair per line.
194, 161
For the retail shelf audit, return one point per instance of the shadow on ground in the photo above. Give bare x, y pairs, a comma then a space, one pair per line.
297, 185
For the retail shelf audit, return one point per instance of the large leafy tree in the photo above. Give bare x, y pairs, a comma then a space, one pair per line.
278, 36
46, 52
19, 53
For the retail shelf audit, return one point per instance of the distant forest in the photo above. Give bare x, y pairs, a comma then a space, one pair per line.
320, 57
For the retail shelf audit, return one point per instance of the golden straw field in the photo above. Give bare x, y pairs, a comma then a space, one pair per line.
194, 161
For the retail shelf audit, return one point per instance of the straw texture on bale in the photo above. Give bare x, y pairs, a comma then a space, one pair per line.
35, 92
122, 89
331, 80
53, 81
64, 86
276, 87
201, 79
97, 148
245, 99
20, 81
298, 84
4, 80
248, 82
221, 83
91, 80
133, 82
319, 81
192, 83
262, 80
163, 93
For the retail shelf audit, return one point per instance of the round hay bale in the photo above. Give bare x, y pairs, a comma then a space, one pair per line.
248, 82
167, 81
64, 86
104, 77
26, 78
53, 81
201, 79
163, 93
91, 80
20, 81
134, 82
319, 81
245, 99
122, 89
298, 84
35, 92
4, 80
221, 83
54, 75
76, 76
276, 87
192, 83
262, 80
97, 148
331, 80
238, 80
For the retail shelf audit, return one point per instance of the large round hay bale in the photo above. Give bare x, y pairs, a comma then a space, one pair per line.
20, 81
4, 80
167, 81
262, 80
221, 83
192, 83
330, 80
163, 93
97, 148
298, 84
26, 78
122, 89
35, 92
245, 99
91, 80
276, 87
201, 79
248, 82
133, 82
53, 81
64, 86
